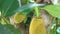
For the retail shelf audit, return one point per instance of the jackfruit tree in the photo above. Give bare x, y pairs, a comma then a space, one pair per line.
29, 17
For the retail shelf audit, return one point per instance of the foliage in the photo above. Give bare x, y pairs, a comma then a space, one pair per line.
8, 29
9, 8
53, 10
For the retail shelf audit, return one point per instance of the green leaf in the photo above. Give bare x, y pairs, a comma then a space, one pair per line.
25, 9
8, 7
1, 2
53, 10
9, 29
28, 8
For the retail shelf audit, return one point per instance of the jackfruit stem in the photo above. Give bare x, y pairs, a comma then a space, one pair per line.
37, 11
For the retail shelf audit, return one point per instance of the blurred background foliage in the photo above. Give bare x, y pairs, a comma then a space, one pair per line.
8, 29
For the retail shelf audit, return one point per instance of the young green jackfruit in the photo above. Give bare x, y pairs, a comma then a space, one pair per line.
18, 18
37, 26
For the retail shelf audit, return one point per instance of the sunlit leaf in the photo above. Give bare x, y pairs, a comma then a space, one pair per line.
26, 9
53, 10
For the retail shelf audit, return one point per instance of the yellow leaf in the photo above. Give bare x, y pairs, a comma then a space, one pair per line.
37, 26
18, 18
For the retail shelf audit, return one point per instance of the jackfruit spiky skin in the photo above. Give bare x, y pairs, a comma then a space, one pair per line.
18, 18
37, 26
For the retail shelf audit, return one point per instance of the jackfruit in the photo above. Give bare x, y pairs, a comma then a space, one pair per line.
37, 26
18, 18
